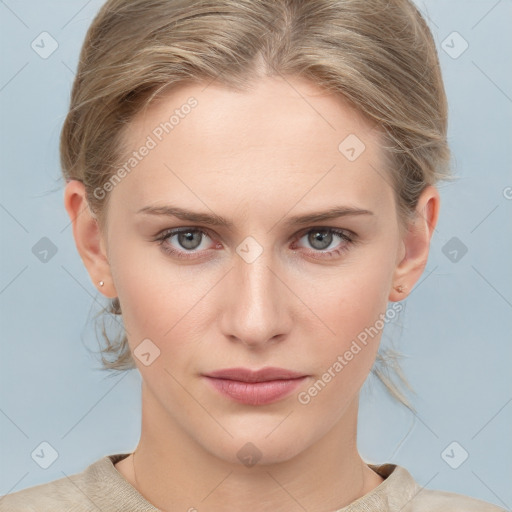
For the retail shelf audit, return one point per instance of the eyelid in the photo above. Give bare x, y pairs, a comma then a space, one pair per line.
162, 237
173, 231
347, 232
299, 234
165, 234
348, 237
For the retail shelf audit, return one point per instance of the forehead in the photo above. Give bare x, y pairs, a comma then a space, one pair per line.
253, 116
280, 138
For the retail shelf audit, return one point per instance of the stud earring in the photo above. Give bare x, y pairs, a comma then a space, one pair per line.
102, 283
399, 288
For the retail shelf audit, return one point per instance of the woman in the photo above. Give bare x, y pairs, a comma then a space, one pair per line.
252, 184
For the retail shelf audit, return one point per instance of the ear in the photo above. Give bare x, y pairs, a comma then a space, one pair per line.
88, 237
415, 244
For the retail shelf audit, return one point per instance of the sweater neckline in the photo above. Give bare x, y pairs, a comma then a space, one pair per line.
397, 488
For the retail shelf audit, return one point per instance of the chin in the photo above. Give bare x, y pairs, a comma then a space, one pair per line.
260, 449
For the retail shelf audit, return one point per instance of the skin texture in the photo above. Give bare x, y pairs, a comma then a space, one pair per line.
255, 158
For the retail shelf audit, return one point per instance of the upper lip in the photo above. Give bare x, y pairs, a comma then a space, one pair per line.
247, 375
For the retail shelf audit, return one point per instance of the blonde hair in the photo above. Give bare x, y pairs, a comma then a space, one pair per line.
379, 55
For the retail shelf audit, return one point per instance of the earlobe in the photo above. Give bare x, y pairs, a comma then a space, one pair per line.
88, 238
416, 244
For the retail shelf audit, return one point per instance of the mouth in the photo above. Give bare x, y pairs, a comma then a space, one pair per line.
259, 387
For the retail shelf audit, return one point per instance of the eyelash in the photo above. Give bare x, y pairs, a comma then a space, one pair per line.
348, 237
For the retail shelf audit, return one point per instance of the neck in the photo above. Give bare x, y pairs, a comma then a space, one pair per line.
174, 472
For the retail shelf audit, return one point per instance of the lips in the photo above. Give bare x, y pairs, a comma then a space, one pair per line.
255, 387
247, 375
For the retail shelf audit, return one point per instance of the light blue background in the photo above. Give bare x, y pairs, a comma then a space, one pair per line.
455, 328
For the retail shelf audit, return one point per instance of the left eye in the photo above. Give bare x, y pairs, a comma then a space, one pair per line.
321, 238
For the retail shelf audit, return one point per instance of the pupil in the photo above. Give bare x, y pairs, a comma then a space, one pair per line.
324, 237
187, 239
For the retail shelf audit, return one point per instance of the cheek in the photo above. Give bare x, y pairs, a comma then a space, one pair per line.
147, 295
162, 303
353, 308
343, 361
352, 297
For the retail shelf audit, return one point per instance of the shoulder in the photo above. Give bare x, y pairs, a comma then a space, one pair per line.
403, 493
57, 495
434, 501
80, 492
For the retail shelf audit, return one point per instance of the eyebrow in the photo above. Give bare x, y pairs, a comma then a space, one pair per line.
213, 219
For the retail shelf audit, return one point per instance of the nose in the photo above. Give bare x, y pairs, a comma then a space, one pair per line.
255, 303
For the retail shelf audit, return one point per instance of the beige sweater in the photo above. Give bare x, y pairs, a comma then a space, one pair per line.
101, 488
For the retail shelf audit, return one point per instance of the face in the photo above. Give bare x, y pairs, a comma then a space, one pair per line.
262, 289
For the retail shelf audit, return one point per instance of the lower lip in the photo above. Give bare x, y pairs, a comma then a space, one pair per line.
255, 393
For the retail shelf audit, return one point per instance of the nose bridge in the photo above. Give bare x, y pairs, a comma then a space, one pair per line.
254, 311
